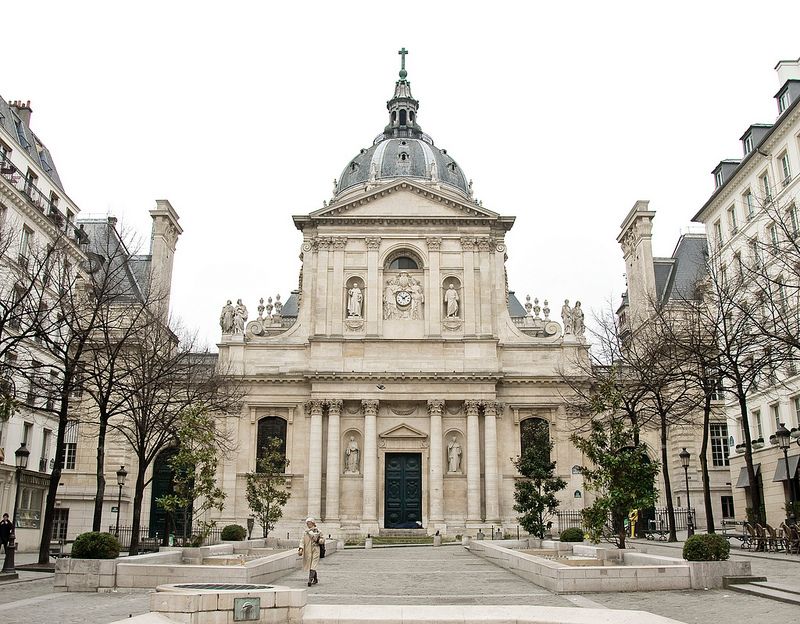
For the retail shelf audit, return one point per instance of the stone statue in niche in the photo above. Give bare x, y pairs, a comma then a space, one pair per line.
226, 318
578, 327
451, 299
352, 457
403, 298
566, 317
453, 456
355, 299
239, 317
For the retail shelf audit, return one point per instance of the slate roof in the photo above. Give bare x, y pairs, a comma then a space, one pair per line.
28, 142
515, 308
677, 276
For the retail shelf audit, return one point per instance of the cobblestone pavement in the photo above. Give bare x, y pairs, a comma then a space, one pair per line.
418, 576
421, 576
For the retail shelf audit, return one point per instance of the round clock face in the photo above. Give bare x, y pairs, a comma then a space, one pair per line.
403, 298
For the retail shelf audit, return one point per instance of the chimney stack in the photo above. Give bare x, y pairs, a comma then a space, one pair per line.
23, 111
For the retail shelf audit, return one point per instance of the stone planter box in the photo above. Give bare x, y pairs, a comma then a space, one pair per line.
85, 575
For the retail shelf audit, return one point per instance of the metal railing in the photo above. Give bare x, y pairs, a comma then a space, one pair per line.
573, 519
148, 540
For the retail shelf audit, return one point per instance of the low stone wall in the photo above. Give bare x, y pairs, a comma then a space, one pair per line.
85, 575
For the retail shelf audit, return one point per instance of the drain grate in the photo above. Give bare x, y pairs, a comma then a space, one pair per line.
222, 586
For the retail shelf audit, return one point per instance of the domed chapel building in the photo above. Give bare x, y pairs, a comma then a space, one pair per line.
402, 372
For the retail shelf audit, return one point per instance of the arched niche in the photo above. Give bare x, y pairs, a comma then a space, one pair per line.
452, 284
270, 427
352, 465
355, 300
454, 461
534, 431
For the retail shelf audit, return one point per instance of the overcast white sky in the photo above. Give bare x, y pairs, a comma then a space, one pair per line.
243, 113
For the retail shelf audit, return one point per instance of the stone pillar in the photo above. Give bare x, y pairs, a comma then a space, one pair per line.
490, 411
484, 245
334, 462
436, 484
314, 409
473, 463
321, 310
374, 288
369, 514
469, 292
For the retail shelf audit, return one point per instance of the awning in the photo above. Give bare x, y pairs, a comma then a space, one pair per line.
743, 480
780, 469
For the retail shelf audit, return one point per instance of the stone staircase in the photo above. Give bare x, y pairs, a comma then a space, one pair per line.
402, 533
759, 586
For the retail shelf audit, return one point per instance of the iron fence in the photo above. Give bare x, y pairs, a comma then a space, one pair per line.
151, 541
572, 518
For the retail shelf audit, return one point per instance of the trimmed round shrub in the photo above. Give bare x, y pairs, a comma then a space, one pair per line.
706, 548
573, 534
234, 533
95, 545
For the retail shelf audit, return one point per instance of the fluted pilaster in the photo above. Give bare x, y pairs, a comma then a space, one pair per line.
436, 485
334, 462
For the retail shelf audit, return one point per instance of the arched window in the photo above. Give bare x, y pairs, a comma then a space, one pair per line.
402, 117
270, 427
534, 432
403, 262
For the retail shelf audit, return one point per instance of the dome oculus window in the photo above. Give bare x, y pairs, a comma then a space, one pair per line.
403, 262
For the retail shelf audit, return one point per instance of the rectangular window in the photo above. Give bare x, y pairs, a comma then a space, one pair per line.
750, 204
30, 183
737, 261
719, 444
783, 101
70, 445
47, 438
727, 507
718, 179
755, 252
732, 219
5, 153
758, 424
60, 522
786, 170
776, 415
773, 236
740, 427
792, 214
765, 187
25, 242
748, 144
21, 133
718, 234
52, 388
796, 401
27, 434
29, 512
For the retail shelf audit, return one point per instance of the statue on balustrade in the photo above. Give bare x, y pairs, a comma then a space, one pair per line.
239, 317
226, 318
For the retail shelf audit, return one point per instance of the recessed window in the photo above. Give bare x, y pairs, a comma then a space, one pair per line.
750, 204
776, 415
793, 222
719, 444
755, 252
783, 101
765, 187
786, 169
718, 178
732, 219
534, 432
403, 262
796, 401
270, 427
70, 445
718, 233
748, 144
773, 236
5, 153
758, 423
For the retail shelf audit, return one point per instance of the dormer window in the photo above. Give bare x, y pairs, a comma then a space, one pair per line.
403, 156
748, 144
783, 101
718, 178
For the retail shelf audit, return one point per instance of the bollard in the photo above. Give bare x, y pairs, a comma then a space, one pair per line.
8, 564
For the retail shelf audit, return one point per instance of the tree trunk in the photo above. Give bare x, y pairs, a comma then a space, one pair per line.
136, 520
97, 519
755, 491
704, 465
55, 479
619, 525
667, 483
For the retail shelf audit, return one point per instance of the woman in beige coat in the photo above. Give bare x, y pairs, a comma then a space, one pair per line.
309, 550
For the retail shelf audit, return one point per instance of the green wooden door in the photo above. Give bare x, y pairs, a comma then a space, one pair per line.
403, 490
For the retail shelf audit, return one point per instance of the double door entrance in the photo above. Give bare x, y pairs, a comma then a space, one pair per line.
402, 507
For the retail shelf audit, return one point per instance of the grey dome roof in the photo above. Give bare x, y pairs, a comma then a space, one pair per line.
402, 157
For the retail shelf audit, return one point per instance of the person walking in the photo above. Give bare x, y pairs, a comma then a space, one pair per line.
309, 550
6, 529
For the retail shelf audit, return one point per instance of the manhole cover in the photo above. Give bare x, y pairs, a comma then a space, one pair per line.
222, 586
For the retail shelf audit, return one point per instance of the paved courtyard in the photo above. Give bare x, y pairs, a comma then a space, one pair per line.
424, 576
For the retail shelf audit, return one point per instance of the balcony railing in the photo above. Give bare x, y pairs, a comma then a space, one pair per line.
27, 186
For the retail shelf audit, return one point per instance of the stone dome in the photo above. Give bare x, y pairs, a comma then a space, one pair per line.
403, 158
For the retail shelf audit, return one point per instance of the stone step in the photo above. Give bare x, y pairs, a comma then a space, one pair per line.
789, 589
402, 532
727, 581
767, 592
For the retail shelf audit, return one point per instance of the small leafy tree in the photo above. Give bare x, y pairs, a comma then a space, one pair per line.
194, 469
266, 495
535, 495
621, 475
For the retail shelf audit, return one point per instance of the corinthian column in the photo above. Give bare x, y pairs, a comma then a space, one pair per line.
314, 409
332, 467
369, 514
473, 462
490, 411
436, 486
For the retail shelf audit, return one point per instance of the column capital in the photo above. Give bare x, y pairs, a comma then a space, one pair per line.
338, 242
435, 407
370, 407
434, 243
492, 408
314, 407
467, 243
471, 407
485, 244
334, 406
373, 242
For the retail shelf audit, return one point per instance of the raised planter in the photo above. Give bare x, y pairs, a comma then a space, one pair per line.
85, 575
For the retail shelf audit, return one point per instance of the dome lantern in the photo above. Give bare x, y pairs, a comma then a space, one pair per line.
402, 107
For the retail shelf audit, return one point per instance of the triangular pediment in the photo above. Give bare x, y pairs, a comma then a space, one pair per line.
405, 199
403, 431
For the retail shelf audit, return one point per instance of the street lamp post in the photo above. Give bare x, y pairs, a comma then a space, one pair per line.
121, 474
21, 459
684, 455
784, 440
